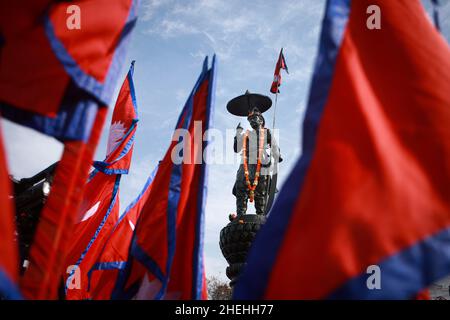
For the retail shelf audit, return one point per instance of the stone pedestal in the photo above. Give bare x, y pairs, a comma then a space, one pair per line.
236, 239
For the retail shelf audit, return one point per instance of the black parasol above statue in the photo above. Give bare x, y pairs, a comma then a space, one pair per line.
243, 104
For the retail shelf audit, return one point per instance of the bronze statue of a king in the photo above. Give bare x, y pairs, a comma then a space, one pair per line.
259, 154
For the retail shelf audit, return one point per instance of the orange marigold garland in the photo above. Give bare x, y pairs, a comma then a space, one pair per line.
252, 186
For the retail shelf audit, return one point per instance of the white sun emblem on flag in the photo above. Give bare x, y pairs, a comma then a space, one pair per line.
116, 134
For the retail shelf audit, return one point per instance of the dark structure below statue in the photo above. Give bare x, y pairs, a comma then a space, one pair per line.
235, 241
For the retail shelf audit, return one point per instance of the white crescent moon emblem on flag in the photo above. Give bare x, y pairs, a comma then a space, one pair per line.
91, 211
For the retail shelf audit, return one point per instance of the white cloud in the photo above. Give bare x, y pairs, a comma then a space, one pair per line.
149, 8
172, 28
28, 151
182, 94
232, 23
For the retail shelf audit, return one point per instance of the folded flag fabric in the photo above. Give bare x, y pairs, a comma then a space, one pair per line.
54, 77
99, 211
166, 256
369, 197
49, 248
57, 77
112, 260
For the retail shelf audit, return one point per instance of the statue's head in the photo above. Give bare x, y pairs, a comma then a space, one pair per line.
256, 119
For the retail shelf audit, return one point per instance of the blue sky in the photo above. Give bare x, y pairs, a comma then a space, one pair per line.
169, 44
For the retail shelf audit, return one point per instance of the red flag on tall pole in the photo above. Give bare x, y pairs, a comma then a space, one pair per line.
58, 81
281, 64
369, 197
99, 211
166, 256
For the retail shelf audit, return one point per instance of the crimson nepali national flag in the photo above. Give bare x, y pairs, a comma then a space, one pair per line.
281, 64
111, 263
99, 210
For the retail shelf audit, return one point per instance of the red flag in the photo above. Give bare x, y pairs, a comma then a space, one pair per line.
113, 258
51, 72
9, 265
167, 249
58, 80
100, 208
42, 278
423, 295
99, 211
123, 128
281, 64
369, 197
